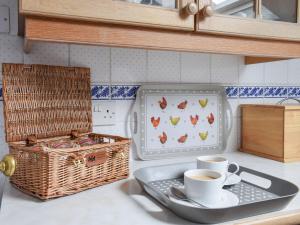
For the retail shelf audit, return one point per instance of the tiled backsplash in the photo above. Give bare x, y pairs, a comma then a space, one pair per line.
118, 72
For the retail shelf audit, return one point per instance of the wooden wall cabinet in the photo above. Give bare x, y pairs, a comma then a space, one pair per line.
168, 25
168, 14
270, 19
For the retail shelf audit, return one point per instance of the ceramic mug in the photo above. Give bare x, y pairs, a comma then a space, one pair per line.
203, 186
216, 163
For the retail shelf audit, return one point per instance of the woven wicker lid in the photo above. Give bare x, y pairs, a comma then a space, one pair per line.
46, 101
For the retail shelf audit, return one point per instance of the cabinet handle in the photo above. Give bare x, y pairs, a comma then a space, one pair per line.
8, 165
205, 8
191, 8
208, 11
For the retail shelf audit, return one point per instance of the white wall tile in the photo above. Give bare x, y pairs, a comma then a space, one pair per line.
276, 73
251, 74
224, 69
272, 100
128, 65
195, 67
123, 110
48, 53
232, 138
294, 71
11, 48
119, 129
13, 14
163, 66
95, 57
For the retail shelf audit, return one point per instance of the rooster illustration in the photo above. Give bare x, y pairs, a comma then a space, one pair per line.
163, 103
203, 102
174, 120
182, 105
211, 118
183, 138
194, 120
155, 122
163, 138
203, 135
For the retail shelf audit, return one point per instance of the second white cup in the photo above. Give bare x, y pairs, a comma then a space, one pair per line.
216, 163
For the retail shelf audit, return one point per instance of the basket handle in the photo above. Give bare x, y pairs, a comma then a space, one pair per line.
31, 140
74, 134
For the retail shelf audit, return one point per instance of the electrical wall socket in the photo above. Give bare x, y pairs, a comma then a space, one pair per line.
104, 113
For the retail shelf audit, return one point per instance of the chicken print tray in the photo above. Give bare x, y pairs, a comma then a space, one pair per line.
180, 120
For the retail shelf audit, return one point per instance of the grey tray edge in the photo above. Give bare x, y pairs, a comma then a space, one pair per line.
202, 215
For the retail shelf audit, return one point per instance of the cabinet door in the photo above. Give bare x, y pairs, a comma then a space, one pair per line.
171, 14
271, 19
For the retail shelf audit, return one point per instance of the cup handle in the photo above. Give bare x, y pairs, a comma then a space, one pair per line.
236, 165
237, 170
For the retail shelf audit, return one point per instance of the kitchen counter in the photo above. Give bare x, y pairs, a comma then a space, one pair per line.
123, 202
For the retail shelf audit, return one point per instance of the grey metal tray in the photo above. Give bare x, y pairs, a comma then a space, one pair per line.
271, 195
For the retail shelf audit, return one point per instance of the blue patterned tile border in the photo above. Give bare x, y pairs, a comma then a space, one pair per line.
251, 92
128, 92
276, 92
124, 92
294, 92
232, 92
100, 92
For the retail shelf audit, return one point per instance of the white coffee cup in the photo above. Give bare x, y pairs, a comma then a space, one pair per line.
202, 190
216, 163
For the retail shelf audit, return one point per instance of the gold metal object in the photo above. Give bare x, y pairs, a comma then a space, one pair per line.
191, 8
8, 165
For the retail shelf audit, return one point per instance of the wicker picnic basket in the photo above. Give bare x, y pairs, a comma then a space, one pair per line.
48, 125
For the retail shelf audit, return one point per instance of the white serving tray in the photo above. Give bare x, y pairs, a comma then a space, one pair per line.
179, 120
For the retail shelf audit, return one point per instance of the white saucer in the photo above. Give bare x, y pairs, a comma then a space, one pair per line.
232, 179
227, 199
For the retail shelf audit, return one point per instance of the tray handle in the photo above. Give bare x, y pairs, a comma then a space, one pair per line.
228, 121
135, 123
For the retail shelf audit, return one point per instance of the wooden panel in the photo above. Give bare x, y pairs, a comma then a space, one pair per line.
112, 11
285, 218
233, 25
55, 30
292, 134
262, 130
254, 60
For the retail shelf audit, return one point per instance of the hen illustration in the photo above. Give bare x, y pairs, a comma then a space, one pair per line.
203, 135
203, 102
182, 105
174, 120
163, 103
194, 120
211, 118
155, 122
163, 138
183, 138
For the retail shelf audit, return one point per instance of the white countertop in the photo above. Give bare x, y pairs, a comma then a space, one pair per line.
123, 202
